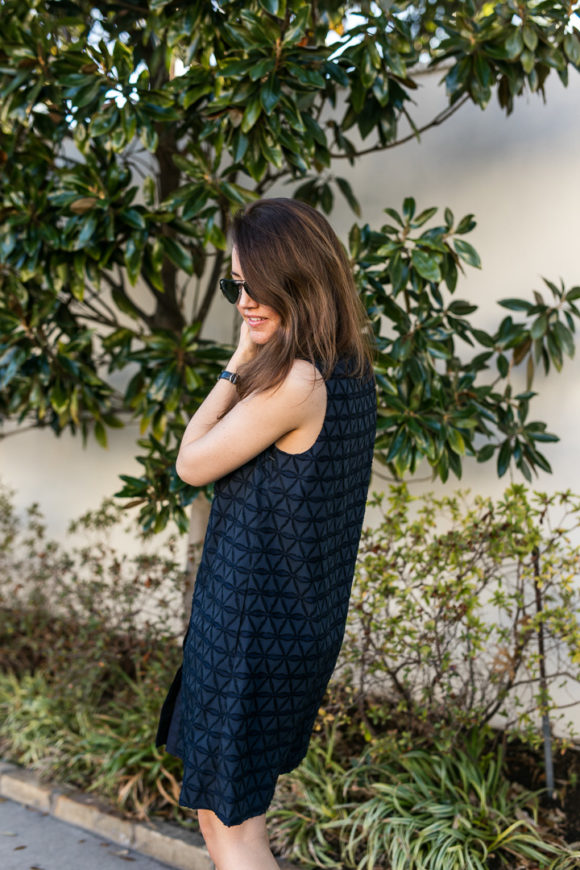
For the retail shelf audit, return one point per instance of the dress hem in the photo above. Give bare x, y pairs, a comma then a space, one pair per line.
238, 820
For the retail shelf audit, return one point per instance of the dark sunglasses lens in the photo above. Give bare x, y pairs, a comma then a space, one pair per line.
230, 289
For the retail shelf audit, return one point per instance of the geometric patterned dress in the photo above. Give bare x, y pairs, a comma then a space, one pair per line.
269, 610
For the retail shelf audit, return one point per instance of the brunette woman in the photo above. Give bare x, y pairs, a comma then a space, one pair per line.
287, 435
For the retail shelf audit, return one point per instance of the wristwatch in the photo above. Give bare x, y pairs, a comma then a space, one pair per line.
229, 376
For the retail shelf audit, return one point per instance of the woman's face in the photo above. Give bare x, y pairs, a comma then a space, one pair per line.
263, 322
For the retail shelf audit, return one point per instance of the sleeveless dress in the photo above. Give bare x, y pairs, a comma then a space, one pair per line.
269, 610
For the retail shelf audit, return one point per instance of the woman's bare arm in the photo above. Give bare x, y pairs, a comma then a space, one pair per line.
212, 447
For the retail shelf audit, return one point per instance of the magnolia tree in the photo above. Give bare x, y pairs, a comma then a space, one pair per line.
131, 131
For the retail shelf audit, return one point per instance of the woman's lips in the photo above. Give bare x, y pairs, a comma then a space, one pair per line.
255, 321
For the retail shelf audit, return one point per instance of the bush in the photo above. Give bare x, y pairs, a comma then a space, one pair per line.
89, 642
424, 809
450, 603
84, 613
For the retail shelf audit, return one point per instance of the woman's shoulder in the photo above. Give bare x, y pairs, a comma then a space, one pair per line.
304, 371
303, 383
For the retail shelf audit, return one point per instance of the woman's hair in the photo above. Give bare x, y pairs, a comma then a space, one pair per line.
293, 261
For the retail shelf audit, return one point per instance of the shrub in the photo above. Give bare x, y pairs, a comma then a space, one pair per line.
448, 606
89, 642
85, 612
421, 809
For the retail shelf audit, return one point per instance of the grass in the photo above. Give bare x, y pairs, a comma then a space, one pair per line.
425, 809
107, 749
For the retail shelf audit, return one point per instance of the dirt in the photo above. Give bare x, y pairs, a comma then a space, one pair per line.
561, 814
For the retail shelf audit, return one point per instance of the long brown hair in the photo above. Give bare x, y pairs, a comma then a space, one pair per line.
293, 261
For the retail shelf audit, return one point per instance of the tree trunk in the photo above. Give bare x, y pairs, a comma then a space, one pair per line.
197, 525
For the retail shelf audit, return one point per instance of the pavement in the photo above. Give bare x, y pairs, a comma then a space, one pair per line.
46, 826
34, 840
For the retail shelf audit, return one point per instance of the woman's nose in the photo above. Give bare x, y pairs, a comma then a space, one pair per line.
245, 300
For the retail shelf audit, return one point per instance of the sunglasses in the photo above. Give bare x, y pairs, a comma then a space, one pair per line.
232, 289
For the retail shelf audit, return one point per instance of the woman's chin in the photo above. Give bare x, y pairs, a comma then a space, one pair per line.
261, 336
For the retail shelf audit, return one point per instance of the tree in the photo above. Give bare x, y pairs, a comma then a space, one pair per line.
130, 131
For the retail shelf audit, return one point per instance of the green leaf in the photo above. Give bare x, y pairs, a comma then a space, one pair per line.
426, 265
133, 255
461, 308
298, 29
149, 190
251, 114
539, 326
424, 217
103, 124
467, 252
514, 44
503, 365
503, 459
565, 337
215, 235
395, 215
101, 433
354, 240
315, 131
530, 37
177, 254
465, 225
348, 194
269, 96
455, 441
134, 218
326, 198
516, 304
527, 60
262, 68
485, 453
409, 207
572, 48
87, 232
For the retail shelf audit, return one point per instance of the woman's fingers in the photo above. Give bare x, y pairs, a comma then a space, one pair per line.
246, 347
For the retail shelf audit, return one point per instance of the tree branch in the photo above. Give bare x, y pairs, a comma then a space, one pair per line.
96, 316
268, 180
4, 435
110, 312
120, 287
437, 120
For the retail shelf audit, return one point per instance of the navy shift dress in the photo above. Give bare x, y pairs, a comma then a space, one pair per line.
269, 610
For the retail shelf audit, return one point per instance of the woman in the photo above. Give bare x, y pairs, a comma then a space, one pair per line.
287, 434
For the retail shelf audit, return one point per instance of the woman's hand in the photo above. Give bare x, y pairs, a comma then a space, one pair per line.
245, 351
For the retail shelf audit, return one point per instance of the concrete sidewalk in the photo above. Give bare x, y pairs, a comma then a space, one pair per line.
31, 838
45, 827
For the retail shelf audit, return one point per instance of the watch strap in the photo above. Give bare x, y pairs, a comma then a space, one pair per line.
233, 377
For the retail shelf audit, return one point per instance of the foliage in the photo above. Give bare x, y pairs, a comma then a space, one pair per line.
129, 133
59, 608
105, 748
425, 808
81, 690
434, 403
447, 606
88, 643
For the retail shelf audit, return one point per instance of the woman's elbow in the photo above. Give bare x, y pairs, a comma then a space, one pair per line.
190, 471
